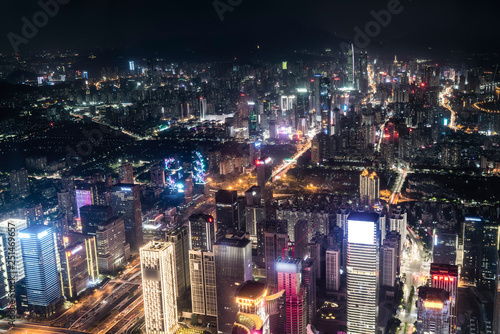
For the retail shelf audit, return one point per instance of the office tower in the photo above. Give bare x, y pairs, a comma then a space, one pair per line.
41, 266
369, 188
253, 215
19, 183
389, 262
290, 280
159, 288
333, 269
489, 259
444, 248
202, 232
480, 238
350, 66
309, 282
227, 211
433, 310
203, 108
112, 249
252, 316
83, 197
65, 203
126, 173
275, 241
301, 230
74, 270
445, 276
126, 203
203, 286
398, 223
179, 237
342, 215
233, 267
16, 273
326, 106
362, 272
264, 173
157, 176
93, 215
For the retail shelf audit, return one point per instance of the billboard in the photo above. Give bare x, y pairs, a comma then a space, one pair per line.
361, 232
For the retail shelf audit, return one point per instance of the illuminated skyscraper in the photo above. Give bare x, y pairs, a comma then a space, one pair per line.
398, 223
264, 172
444, 248
350, 67
159, 288
180, 238
126, 203
74, 270
233, 267
362, 273
275, 241
41, 266
202, 232
290, 280
112, 249
203, 286
333, 269
433, 307
369, 188
252, 316
83, 197
445, 276
19, 183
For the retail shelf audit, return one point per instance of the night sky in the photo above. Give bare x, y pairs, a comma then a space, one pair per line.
180, 27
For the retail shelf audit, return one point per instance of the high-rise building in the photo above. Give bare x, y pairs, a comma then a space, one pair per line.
112, 249
253, 312
203, 285
398, 222
362, 272
445, 276
74, 270
480, 244
233, 267
389, 262
93, 215
180, 238
202, 232
41, 266
253, 215
444, 248
126, 173
301, 240
15, 273
83, 197
264, 172
159, 288
19, 183
369, 188
333, 269
227, 211
157, 176
350, 67
126, 203
309, 282
433, 310
290, 280
275, 241
316, 151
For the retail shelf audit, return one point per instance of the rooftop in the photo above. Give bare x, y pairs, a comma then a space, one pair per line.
251, 290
